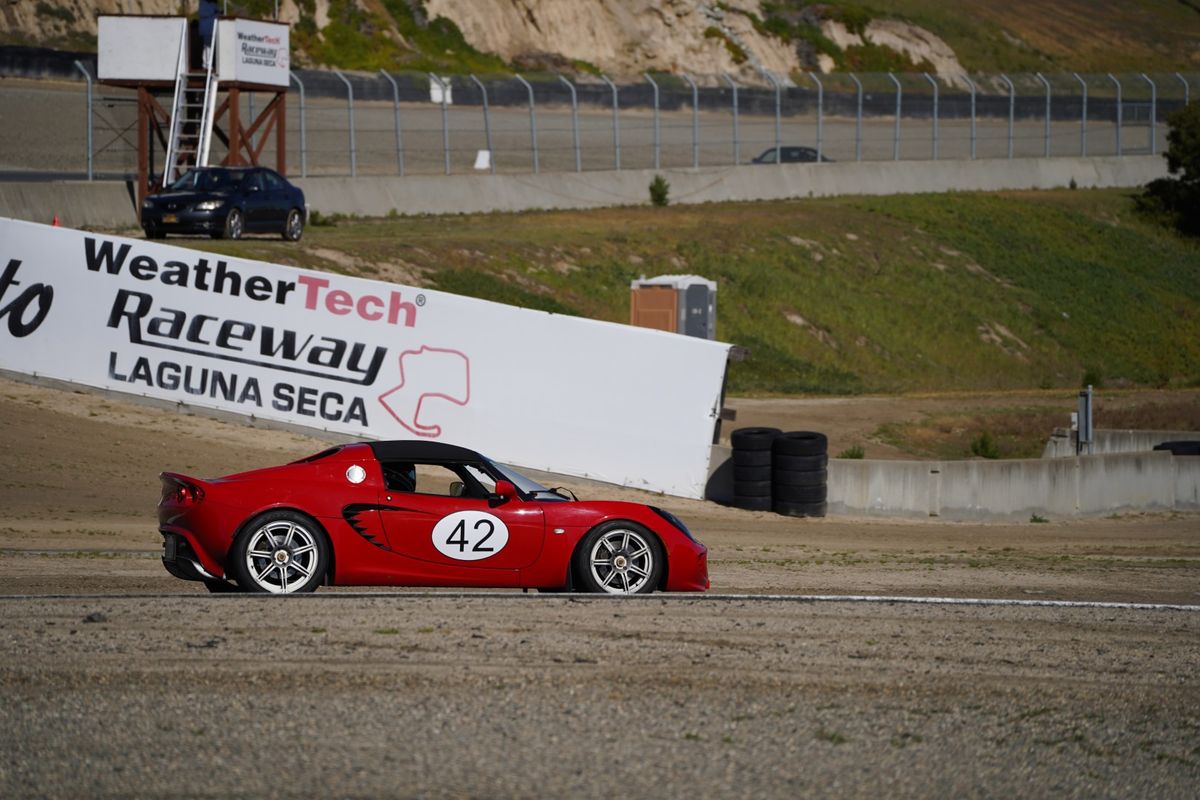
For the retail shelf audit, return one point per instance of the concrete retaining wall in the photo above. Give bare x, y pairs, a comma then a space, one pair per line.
109, 204
1064, 487
1062, 441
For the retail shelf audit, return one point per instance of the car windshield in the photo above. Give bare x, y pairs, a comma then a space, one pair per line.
526, 485
206, 180
767, 157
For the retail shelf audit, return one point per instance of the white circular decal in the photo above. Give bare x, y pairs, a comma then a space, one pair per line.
470, 535
356, 474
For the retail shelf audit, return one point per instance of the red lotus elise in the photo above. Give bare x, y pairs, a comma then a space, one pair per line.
415, 513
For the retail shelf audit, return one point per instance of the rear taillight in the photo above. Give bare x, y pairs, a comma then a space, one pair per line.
178, 492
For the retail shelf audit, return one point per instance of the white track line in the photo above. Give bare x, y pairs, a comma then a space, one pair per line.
682, 597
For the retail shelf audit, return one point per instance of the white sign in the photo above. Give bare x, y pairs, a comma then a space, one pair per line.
626, 405
470, 535
250, 51
138, 48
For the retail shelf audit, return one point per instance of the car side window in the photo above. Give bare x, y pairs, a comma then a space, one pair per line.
252, 182
272, 181
443, 480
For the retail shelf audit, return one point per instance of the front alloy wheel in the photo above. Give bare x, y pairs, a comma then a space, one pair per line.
281, 553
234, 224
620, 558
294, 229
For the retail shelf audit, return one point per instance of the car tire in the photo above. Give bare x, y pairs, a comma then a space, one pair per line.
153, 233
280, 552
619, 557
800, 494
752, 488
753, 438
751, 458
800, 463
752, 503
812, 477
800, 509
751, 473
800, 443
293, 228
235, 224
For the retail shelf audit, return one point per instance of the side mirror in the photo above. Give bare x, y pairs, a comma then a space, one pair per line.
456, 488
505, 491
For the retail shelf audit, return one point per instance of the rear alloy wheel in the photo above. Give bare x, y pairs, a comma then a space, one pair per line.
293, 229
620, 558
234, 224
281, 552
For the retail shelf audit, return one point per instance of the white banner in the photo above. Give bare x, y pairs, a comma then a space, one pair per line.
250, 51
612, 402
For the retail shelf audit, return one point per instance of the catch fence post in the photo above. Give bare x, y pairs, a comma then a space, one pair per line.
532, 122
574, 123
657, 129
88, 78
350, 112
858, 119
616, 121
971, 84
1153, 114
396, 109
1012, 106
445, 121
778, 129
933, 83
896, 133
1046, 83
820, 114
1187, 89
737, 145
1082, 117
1120, 111
487, 125
695, 120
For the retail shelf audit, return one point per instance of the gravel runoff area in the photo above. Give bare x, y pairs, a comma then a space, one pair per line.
107, 692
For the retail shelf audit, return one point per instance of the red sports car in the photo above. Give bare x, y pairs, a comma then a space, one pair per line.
415, 513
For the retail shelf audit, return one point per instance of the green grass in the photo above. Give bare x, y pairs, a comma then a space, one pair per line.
942, 292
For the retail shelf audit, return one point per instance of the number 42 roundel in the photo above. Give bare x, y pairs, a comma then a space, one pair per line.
470, 535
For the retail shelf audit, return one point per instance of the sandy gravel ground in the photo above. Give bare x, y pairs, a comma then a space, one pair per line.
525, 695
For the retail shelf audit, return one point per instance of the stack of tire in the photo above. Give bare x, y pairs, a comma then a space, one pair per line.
752, 467
799, 476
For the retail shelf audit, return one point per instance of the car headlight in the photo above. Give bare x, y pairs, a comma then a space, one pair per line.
675, 521
209, 205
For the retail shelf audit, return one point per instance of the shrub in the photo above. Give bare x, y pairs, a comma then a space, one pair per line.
985, 446
853, 452
1092, 377
659, 189
1176, 200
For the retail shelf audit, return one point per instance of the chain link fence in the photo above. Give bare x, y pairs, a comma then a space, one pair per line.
421, 124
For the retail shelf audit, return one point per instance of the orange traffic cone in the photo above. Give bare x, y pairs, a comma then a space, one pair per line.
55, 222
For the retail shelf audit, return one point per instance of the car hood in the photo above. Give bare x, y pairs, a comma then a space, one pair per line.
187, 198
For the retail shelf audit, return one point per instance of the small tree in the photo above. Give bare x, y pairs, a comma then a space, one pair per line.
659, 189
1178, 198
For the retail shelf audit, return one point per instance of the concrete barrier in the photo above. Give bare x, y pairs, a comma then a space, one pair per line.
108, 204
1064, 487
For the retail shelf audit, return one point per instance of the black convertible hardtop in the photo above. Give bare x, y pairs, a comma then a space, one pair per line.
417, 450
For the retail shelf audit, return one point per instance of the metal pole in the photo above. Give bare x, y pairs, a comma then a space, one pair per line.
350, 107
574, 123
88, 77
532, 122
445, 122
1012, 104
303, 128
1082, 117
857, 119
487, 124
1046, 83
657, 129
616, 122
396, 107
896, 134
1187, 90
695, 120
1153, 114
971, 83
737, 145
778, 130
1112, 78
934, 84
820, 115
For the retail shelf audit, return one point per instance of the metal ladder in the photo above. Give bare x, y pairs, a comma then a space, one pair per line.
191, 113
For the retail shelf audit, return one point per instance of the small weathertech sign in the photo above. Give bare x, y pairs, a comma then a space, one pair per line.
361, 357
250, 51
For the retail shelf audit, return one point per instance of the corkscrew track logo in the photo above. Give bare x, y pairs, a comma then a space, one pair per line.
428, 373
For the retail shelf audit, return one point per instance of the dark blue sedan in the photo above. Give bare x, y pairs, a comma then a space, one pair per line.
226, 202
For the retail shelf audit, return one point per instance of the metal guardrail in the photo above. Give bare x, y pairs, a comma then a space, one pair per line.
418, 123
